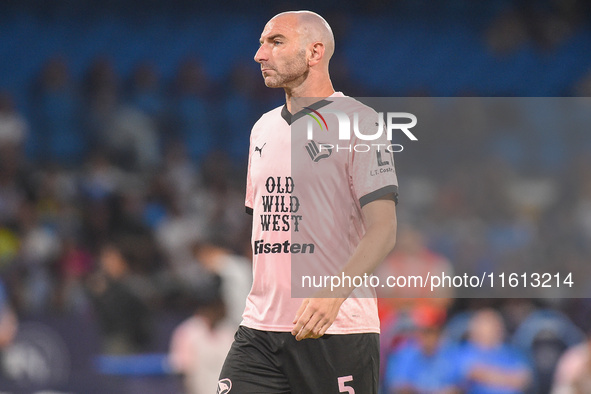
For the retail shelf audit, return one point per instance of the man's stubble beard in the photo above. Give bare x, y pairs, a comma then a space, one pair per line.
296, 72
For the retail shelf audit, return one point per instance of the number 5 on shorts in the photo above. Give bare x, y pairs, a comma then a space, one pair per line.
344, 389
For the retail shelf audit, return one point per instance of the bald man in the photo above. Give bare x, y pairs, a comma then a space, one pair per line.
345, 211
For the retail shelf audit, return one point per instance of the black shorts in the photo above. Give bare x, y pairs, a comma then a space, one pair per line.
275, 363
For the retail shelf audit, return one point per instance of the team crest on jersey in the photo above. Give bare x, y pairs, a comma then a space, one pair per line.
224, 386
317, 153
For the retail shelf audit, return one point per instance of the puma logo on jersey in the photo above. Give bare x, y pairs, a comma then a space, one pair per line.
224, 386
260, 150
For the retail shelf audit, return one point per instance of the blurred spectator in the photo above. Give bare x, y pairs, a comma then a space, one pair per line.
145, 91
582, 206
487, 363
181, 176
8, 320
59, 135
129, 135
101, 179
13, 191
543, 335
39, 249
547, 24
8, 328
426, 364
235, 271
573, 372
411, 257
132, 233
221, 198
14, 130
191, 110
133, 138
123, 316
100, 90
100, 78
176, 233
200, 344
75, 264
13, 127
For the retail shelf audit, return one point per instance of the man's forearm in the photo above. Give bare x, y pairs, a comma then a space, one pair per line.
377, 242
317, 314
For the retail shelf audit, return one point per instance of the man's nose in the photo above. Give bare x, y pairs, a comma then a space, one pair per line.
261, 55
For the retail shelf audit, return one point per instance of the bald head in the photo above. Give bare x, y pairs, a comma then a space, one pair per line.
294, 52
312, 28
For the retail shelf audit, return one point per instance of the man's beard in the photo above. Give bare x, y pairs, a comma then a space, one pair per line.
294, 71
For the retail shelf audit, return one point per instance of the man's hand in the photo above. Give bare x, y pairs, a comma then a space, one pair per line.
315, 316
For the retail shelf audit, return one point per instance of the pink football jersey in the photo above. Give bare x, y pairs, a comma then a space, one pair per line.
306, 187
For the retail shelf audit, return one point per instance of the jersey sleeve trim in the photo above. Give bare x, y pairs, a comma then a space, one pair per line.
381, 192
249, 210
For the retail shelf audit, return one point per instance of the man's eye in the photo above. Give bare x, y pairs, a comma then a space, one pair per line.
277, 42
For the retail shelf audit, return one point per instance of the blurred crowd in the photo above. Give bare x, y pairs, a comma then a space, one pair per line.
436, 343
122, 196
473, 352
118, 198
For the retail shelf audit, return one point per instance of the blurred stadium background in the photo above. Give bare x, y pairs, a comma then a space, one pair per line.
124, 129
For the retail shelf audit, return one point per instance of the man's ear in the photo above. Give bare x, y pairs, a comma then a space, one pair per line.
316, 53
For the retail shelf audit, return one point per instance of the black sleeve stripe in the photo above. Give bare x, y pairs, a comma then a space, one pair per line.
249, 210
376, 194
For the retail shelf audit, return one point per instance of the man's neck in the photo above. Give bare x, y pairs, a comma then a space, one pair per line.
308, 89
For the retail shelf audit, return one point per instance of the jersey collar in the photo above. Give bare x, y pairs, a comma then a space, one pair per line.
289, 118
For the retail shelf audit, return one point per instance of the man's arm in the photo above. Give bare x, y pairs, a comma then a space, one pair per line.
316, 315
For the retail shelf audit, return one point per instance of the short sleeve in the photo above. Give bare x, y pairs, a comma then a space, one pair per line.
372, 170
